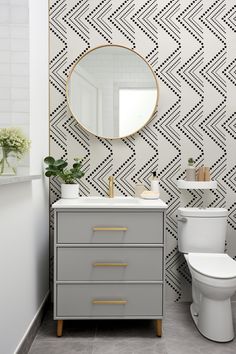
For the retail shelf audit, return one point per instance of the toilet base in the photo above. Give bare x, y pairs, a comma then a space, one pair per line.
215, 323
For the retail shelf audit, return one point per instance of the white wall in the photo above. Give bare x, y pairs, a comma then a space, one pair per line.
24, 206
14, 68
195, 66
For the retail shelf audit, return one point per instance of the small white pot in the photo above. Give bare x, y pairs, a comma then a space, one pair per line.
69, 191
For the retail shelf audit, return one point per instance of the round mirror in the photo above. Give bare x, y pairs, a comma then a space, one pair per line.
112, 92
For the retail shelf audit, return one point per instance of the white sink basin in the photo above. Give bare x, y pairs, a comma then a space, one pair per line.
103, 200
109, 203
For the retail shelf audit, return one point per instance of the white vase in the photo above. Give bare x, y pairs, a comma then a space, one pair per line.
69, 191
8, 162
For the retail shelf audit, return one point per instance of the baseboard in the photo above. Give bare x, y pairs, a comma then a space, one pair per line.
28, 338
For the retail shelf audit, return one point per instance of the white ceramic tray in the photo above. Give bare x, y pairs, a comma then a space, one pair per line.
182, 184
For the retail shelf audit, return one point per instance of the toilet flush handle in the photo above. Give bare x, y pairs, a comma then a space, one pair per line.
182, 219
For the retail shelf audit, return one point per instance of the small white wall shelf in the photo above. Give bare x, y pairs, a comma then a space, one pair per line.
17, 179
182, 184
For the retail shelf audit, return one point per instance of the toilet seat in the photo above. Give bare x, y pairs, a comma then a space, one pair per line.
213, 265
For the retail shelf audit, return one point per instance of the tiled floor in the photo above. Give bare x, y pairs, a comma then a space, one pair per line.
180, 336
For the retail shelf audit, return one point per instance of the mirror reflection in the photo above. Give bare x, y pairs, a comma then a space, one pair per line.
112, 92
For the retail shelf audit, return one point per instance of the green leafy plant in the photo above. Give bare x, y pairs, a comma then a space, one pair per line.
59, 168
191, 161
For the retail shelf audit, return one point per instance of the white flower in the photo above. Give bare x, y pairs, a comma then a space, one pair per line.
12, 139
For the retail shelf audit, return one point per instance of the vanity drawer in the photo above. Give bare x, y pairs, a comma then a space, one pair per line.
108, 300
109, 263
109, 227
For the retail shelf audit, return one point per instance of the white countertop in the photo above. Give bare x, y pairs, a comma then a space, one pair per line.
105, 202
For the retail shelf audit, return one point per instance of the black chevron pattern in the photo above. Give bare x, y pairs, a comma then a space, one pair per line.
121, 20
144, 19
75, 18
97, 18
191, 46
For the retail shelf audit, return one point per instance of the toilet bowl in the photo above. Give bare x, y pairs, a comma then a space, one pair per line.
201, 238
214, 282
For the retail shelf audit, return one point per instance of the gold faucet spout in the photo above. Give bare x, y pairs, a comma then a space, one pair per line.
111, 187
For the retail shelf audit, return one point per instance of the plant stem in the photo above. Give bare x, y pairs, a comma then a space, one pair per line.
2, 165
5, 162
4, 156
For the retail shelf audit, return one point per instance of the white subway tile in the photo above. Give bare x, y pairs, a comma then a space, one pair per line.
5, 93
20, 118
19, 81
20, 106
20, 57
5, 44
19, 69
19, 44
5, 119
5, 57
5, 105
5, 31
4, 13
14, 65
19, 2
19, 14
5, 69
19, 31
20, 94
5, 81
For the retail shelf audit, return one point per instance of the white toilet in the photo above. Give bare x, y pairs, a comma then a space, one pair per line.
201, 237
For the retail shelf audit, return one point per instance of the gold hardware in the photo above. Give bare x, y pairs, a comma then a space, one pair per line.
59, 328
111, 187
159, 328
110, 264
110, 228
109, 302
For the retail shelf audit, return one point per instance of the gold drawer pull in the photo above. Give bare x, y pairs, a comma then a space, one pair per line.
110, 228
109, 302
110, 264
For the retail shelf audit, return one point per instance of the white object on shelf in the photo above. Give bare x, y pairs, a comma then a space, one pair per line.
150, 195
182, 184
155, 188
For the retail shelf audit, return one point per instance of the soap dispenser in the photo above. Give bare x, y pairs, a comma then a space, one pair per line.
155, 187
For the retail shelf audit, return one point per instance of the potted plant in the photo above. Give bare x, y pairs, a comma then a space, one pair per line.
13, 145
191, 170
70, 187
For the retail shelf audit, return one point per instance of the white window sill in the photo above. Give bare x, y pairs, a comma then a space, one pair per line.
18, 179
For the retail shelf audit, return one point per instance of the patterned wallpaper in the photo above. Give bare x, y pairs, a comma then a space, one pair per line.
191, 46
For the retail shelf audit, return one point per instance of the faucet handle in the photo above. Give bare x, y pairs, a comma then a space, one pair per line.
111, 187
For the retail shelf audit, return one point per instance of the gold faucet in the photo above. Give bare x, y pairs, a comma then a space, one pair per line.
111, 187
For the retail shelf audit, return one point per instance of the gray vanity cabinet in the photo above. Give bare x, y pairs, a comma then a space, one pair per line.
109, 263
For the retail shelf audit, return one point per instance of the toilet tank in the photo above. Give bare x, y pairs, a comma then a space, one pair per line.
202, 230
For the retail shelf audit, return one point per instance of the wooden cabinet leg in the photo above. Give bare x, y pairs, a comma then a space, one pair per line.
59, 328
159, 328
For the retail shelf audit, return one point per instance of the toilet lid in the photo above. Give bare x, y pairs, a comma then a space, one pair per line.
215, 265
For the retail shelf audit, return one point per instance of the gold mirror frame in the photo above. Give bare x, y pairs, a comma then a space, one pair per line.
151, 70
